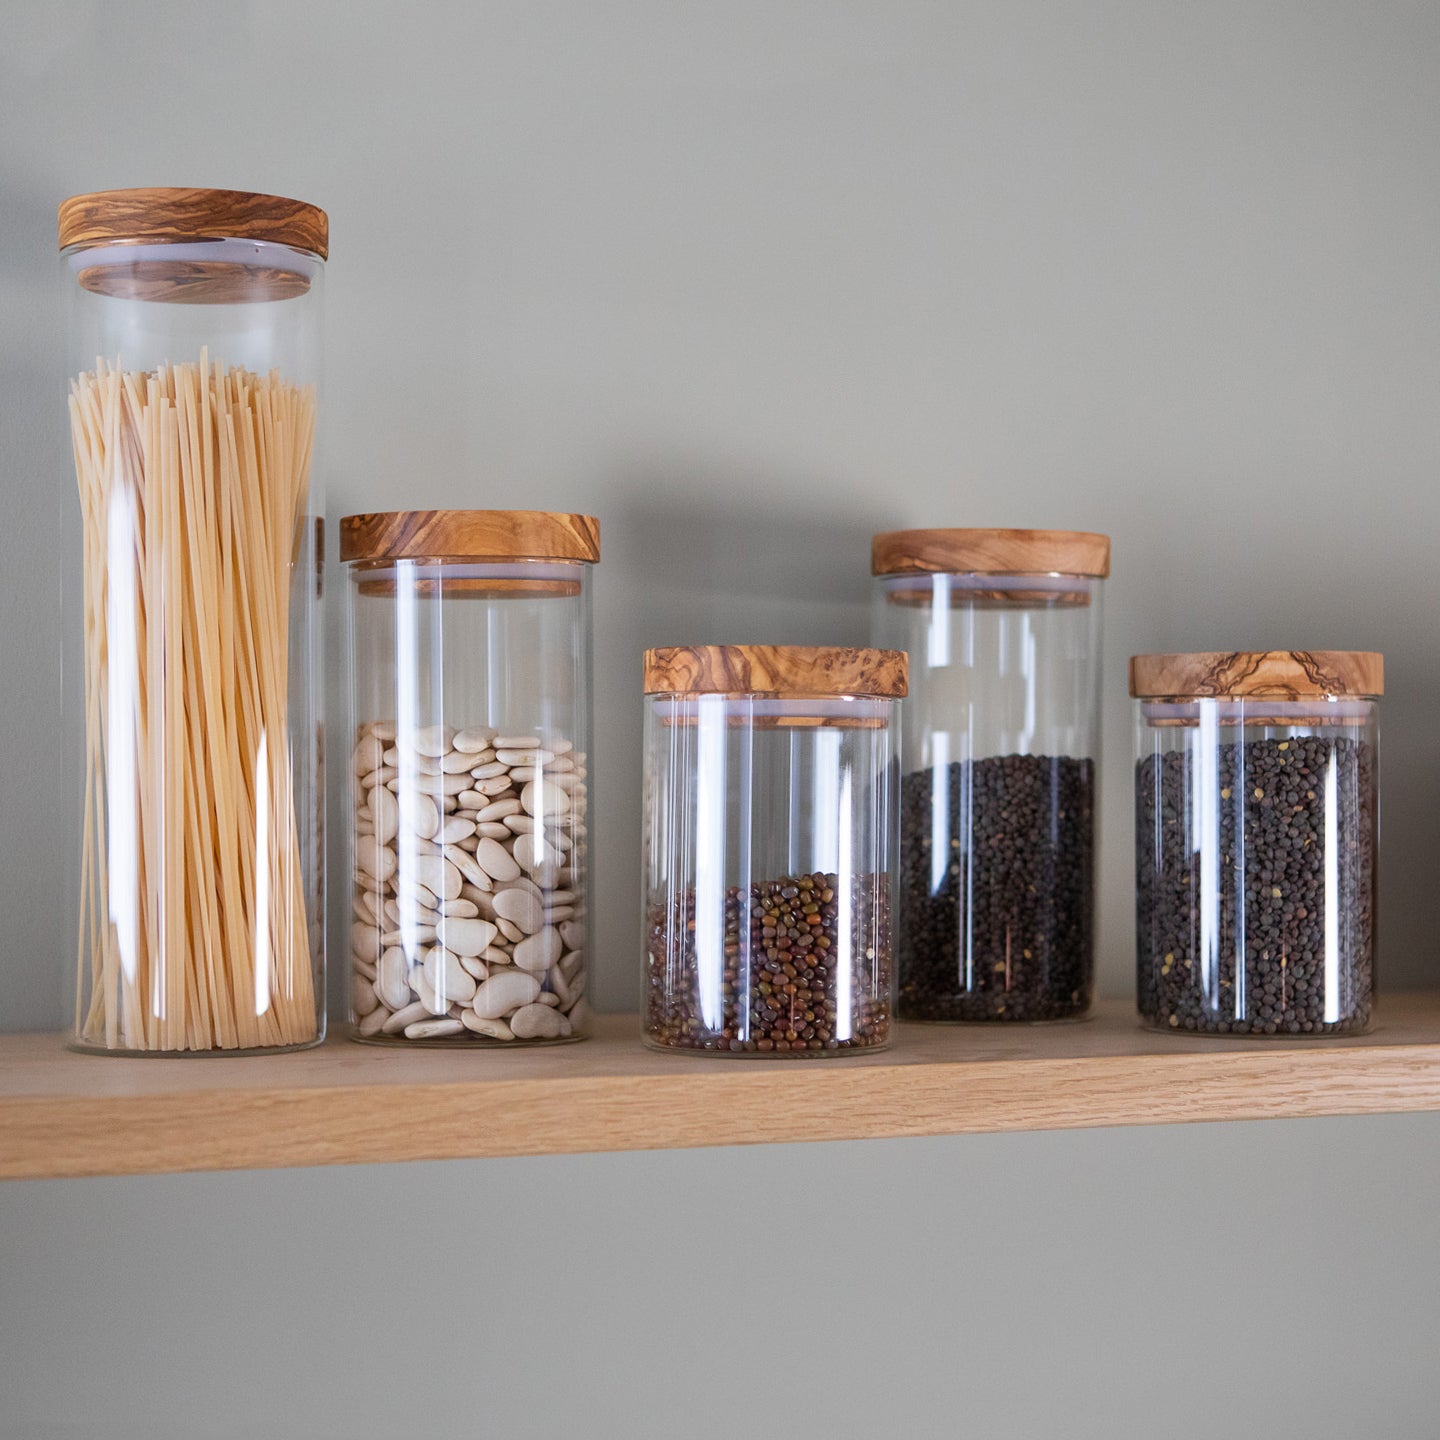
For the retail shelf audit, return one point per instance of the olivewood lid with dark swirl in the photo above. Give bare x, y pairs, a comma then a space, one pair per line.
779, 671
116, 221
1259, 674
990, 552
439, 535
160, 215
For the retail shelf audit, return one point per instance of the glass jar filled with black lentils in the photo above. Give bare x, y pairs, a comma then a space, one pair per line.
770, 849
1256, 826
1002, 734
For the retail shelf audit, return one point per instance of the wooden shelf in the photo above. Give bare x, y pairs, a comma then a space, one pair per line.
63, 1114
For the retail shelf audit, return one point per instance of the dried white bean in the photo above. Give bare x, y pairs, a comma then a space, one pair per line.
520, 907
418, 814
371, 1024
363, 998
407, 1015
473, 739
437, 874
447, 977
431, 740
498, 810
501, 994
433, 1029
471, 872
535, 1022
495, 1029
392, 982
465, 937
365, 942
537, 953
375, 858
495, 860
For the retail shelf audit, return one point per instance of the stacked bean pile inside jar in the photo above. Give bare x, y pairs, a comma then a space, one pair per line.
469, 884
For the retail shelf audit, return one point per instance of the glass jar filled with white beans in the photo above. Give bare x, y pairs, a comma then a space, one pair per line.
468, 784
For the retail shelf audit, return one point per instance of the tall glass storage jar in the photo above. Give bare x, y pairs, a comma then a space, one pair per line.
770, 848
1002, 741
195, 633
468, 793
1257, 820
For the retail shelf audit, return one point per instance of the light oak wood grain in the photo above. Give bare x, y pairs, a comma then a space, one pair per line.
63, 1114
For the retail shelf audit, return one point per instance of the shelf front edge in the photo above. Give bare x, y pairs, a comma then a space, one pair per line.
267, 1127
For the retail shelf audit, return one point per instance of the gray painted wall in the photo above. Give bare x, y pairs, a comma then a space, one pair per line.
750, 281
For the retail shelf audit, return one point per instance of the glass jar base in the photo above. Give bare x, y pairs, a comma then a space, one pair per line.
469, 1041
1348, 1032
838, 1052
83, 1047
981, 1022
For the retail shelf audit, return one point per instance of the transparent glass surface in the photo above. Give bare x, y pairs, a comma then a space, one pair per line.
469, 801
193, 659
1256, 831
770, 849
997, 805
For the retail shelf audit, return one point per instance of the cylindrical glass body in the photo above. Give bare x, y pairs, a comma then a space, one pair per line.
1256, 835
998, 802
194, 674
769, 860
469, 793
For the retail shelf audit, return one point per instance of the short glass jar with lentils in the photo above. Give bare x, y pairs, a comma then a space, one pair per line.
770, 849
468, 799
1256, 832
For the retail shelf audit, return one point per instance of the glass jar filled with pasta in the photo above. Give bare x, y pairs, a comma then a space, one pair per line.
196, 636
770, 849
468, 797
1257, 822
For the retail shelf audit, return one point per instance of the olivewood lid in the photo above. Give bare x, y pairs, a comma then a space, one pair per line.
172, 215
990, 552
779, 671
469, 535
1262, 674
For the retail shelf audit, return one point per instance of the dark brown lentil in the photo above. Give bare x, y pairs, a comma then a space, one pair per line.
1008, 933
1272, 794
780, 990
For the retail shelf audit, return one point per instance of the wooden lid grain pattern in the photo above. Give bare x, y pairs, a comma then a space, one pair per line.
990, 552
172, 214
470, 535
1263, 674
776, 670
